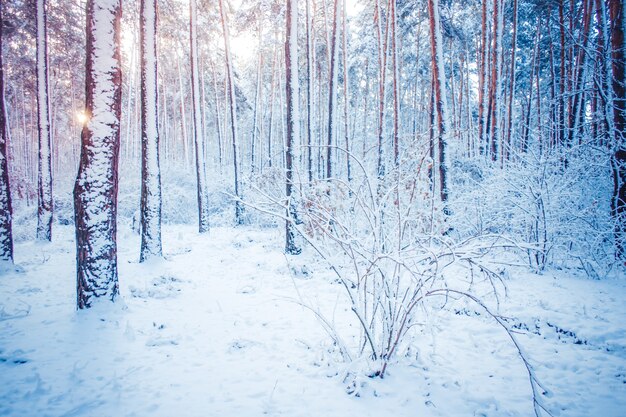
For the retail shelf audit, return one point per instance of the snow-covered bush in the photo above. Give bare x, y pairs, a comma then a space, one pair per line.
553, 206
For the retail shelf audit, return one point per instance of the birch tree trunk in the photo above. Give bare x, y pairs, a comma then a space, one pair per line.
150, 161
95, 190
44, 179
198, 134
6, 213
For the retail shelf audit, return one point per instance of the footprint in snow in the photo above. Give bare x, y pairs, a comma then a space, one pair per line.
241, 344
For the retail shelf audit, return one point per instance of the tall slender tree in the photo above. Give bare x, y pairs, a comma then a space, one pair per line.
332, 90
616, 11
293, 118
150, 162
198, 132
232, 101
440, 96
6, 213
95, 190
44, 179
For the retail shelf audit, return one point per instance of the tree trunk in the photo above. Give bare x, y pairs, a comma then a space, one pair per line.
396, 84
506, 146
332, 91
198, 134
309, 93
150, 164
482, 81
95, 190
233, 112
616, 11
293, 119
44, 180
440, 97
346, 91
6, 213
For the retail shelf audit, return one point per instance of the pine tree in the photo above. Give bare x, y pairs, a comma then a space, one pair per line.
293, 118
150, 161
44, 182
6, 213
232, 100
440, 96
95, 190
198, 133
616, 11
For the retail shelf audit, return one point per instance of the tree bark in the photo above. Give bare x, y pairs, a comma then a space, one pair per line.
44, 179
198, 134
95, 190
440, 97
150, 161
293, 122
332, 91
309, 92
616, 11
232, 99
6, 212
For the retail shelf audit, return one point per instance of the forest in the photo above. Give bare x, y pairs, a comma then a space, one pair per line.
312, 207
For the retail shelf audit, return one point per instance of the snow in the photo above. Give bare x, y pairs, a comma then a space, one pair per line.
218, 328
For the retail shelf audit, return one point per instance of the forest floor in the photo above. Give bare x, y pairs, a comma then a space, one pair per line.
218, 328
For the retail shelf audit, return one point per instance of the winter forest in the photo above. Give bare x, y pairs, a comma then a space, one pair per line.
312, 208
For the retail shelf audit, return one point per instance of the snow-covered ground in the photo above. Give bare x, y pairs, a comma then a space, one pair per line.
218, 329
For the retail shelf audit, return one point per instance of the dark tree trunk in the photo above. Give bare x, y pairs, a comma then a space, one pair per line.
6, 234
309, 92
150, 164
291, 70
616, 10
44, 178
95, 190
332, 92
440, 97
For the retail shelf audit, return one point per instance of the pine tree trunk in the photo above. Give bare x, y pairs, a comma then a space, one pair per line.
382, 72
233, 112
482, 81
332, 91
257, 103
396, 84
309, 93
509, 132
95, 190
440, 97
293, 122
44, 180
346, 91
150, 161
6, 213
198, 134
616, 11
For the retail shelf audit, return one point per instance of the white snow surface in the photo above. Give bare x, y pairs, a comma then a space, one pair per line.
216, 329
